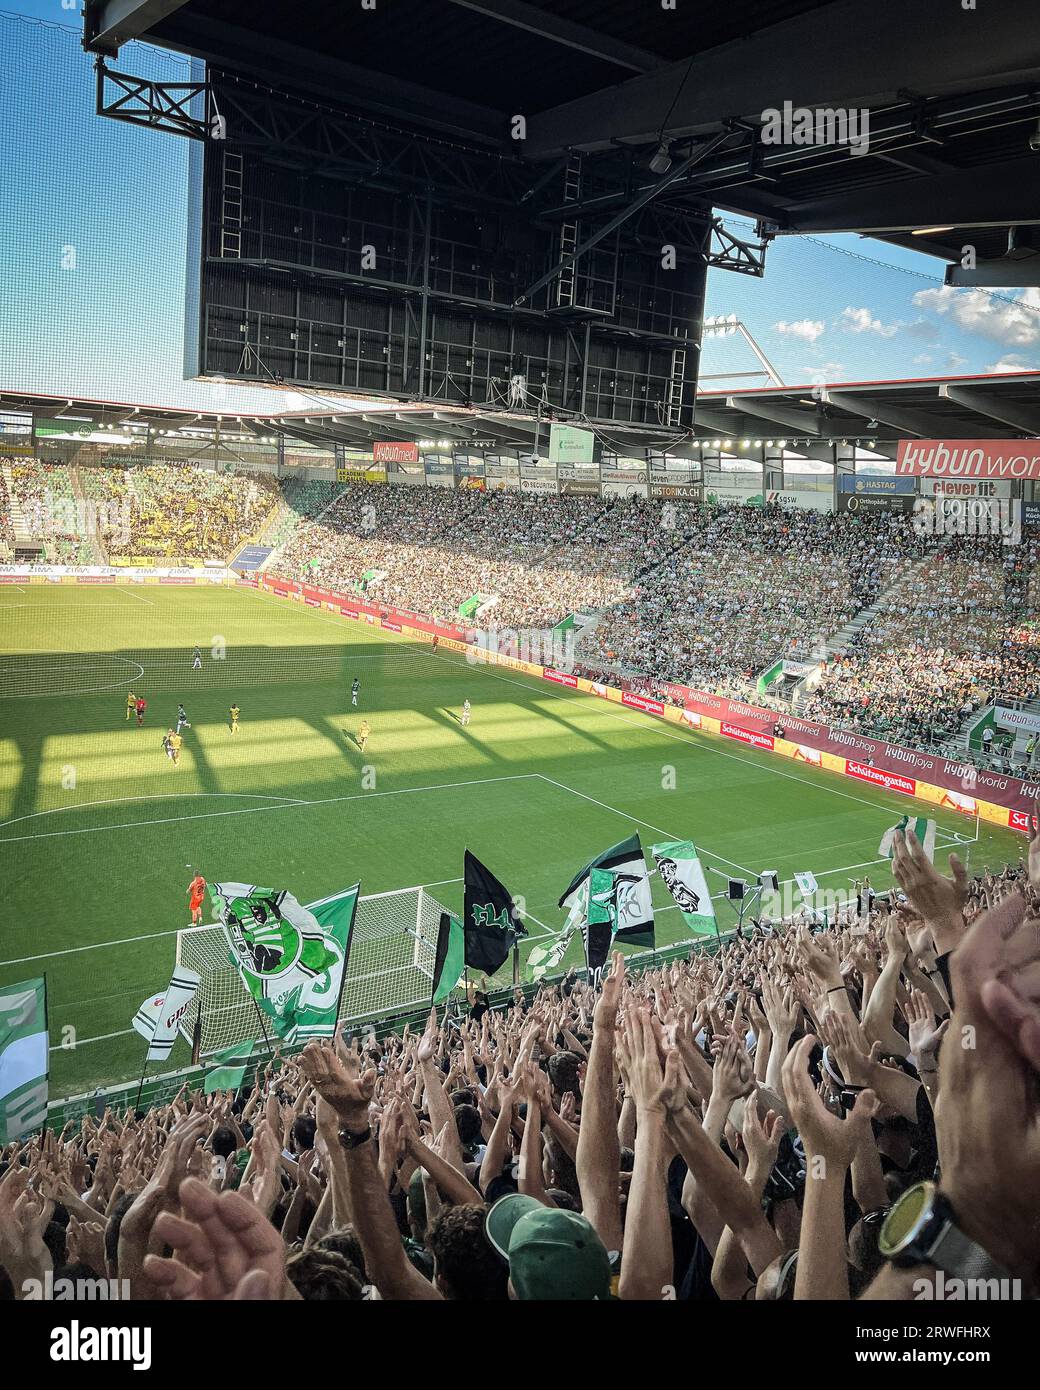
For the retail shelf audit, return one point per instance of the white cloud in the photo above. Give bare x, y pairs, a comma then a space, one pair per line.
922, 359
821, 373
806, 329
1010, 362
1014, 323
863, 321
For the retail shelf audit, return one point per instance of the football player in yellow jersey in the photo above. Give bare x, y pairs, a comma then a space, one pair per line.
175, 741
234, 712
131, 705
362, 734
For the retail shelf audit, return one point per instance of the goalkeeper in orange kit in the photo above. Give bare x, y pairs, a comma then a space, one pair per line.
196, 897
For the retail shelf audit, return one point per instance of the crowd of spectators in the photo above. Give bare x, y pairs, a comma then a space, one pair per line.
749, 587
47, 502
941, 644
734, 1126
6, 528
169, 512
534, 559
678, 591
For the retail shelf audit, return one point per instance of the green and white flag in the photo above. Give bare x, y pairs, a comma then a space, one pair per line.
923, 829
291, 959
24, 1059
807, 883
682, 873
449, 961
544, 959
227, 1069
609, 897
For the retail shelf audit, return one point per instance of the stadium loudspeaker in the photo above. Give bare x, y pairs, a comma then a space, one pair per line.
769, 881
736, 890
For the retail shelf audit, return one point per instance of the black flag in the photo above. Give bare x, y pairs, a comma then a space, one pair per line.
491, 921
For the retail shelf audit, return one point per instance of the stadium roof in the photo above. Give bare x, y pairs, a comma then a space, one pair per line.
953, 96
871, 412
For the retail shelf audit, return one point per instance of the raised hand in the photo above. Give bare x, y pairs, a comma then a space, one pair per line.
349, 1096
732, 1076
641, 1061
782, 1008
86, 1244
430, 1039
824, 1135
845, 1041
940, 901
263, 1176
761, 1137
224, 1248
924, 1035
987, 1113
896, 945
605, 1013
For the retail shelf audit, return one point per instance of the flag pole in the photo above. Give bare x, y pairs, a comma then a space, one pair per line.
140, 1084
263, 1026
346, 958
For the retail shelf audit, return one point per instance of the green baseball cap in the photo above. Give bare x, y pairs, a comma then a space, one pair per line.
552, 1254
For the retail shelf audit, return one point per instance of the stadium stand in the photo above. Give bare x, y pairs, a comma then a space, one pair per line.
169, 512
682, 592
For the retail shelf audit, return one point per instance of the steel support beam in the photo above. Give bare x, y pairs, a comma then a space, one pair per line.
109, 23
546, 25
1009, 272
648, 195
906, 421
793, 420
992, 196
808, 61
1019, 417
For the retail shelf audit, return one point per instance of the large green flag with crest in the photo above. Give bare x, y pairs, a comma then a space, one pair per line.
292, 959
24, 1058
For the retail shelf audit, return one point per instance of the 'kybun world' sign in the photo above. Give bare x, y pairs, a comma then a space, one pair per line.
969, 458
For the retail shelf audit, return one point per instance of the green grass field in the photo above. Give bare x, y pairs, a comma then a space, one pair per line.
97, 827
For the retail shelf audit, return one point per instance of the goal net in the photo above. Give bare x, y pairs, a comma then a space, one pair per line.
390, 968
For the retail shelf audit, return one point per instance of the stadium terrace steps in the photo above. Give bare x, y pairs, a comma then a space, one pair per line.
839, 642
20, 529
92, 538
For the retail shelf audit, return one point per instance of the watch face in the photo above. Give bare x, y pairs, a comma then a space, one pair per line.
902, 1222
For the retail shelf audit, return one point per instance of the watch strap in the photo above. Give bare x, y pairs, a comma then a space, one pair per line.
353, 1139
956, 1254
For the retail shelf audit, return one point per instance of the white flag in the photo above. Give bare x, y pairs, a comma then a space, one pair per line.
175, 1004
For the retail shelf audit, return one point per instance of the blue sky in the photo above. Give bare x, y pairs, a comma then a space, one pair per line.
92, 225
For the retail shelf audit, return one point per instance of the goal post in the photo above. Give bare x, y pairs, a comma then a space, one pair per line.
390, 969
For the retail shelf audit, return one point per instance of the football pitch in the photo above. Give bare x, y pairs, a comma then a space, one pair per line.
98, 828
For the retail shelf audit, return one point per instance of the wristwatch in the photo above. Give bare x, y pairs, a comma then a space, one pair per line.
920, 1229
353, 1139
